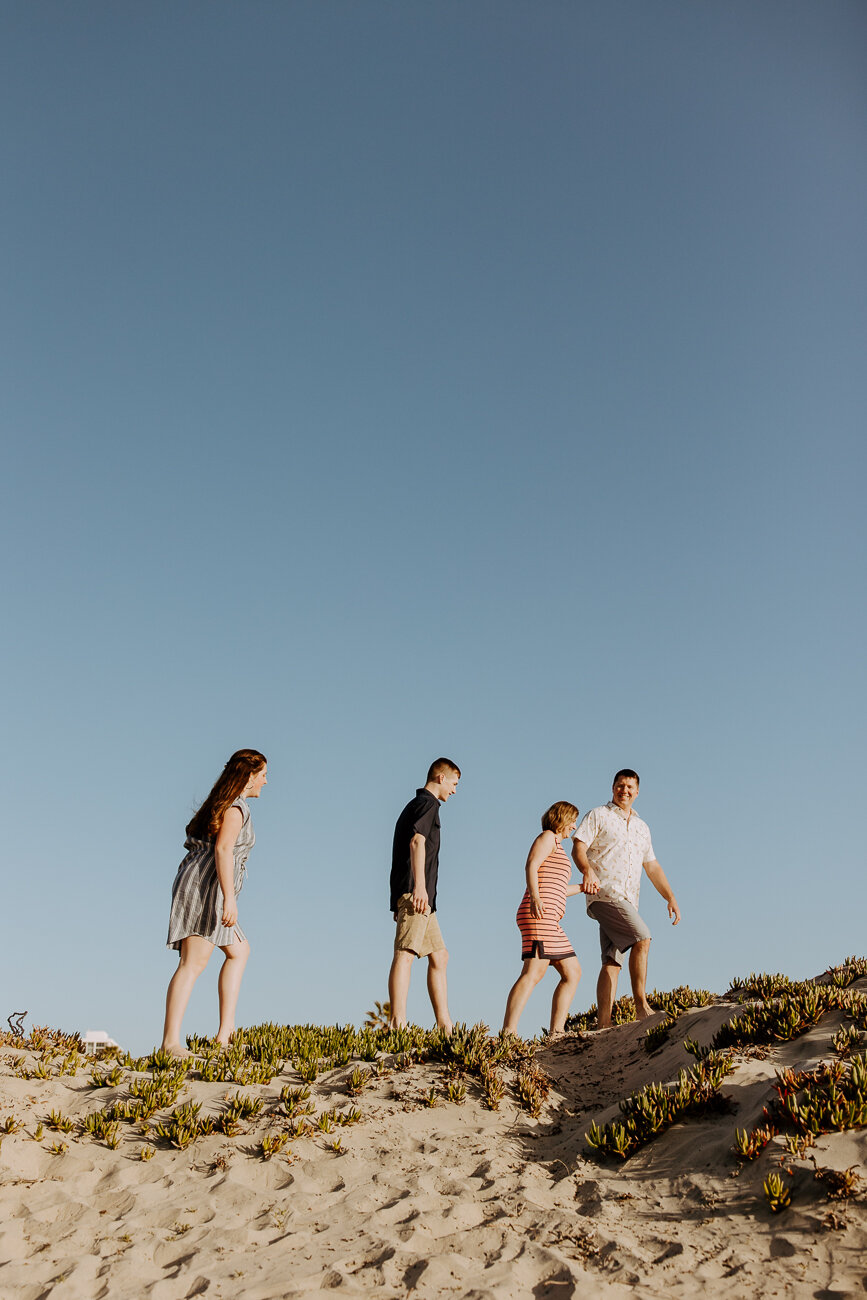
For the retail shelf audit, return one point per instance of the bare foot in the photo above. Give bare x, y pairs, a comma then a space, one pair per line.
642, 1012
175, 1049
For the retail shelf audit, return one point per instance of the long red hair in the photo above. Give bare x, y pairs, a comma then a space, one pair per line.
231, 782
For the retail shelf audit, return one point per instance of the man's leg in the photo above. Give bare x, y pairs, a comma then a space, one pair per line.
398, 986
606, 990
533, 970
569, 971
436, 987
638, 975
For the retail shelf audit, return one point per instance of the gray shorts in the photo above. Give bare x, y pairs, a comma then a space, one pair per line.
620, 927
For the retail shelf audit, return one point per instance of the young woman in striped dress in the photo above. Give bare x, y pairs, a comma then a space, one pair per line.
204, 913
543, 942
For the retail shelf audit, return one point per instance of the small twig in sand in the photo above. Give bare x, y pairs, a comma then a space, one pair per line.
17, 1029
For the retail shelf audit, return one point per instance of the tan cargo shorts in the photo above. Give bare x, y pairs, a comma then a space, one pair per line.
417, 932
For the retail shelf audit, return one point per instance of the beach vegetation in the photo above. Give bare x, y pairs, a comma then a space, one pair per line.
778, 1194
296, 1101
847, 1040
749, 1145
61, 1123
831, 1098
379, 1017
358, 1081
658, 1035
781, 1018
96, 1124
532, 1085
797, 1146
146, 1153
673, 1003
242, 1106
273, 1144
10, 1125
106, 1078
839, 1184
299, 1127
657, 1106
493, 1087
758, 987
456, 1091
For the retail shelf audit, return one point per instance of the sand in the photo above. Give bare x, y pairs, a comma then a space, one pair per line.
430, 1201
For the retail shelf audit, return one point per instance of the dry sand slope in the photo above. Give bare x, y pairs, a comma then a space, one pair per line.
444, 1200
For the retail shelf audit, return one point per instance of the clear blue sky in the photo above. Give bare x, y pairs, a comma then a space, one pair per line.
381, 381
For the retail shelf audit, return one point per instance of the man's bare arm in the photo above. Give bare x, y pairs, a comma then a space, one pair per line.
582, 862
420, 899
657, 878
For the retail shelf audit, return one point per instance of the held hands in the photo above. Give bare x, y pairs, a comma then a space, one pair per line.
230, 913
590, 884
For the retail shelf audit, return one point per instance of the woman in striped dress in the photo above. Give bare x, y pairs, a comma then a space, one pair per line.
543, 941
204, 913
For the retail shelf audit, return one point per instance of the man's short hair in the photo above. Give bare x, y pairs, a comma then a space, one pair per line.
628, 773
441, 767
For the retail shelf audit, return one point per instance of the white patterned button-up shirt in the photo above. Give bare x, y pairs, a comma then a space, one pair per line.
617, 849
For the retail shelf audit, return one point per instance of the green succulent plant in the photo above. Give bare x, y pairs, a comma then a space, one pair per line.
778, 1195
61, 1123
656, 1107
273, 1144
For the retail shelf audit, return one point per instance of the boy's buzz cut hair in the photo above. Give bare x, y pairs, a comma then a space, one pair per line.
628, 773
441, 767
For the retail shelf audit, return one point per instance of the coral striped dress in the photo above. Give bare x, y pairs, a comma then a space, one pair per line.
544, 937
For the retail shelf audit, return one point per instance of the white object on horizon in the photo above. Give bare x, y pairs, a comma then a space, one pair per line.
96, 1038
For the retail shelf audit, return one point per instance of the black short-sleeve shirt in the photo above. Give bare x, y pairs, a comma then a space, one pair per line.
421, 816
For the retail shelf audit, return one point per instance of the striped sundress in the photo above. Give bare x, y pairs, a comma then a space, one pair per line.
544, 938
197, 899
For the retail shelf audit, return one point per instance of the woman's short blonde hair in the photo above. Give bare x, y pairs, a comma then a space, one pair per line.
558, 817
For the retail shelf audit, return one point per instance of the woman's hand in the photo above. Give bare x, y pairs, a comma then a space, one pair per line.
537, 909
230, 912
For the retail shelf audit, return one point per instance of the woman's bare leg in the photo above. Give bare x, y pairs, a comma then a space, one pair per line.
533, 970
569, 971
194, 955
229, 986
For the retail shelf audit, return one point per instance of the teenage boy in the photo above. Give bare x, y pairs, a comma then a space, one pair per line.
414, 867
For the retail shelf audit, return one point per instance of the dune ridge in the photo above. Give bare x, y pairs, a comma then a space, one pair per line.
415, 1165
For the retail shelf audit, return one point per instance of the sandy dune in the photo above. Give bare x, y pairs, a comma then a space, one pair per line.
444, 1200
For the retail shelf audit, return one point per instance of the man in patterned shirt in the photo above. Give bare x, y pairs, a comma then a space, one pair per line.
610, 848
